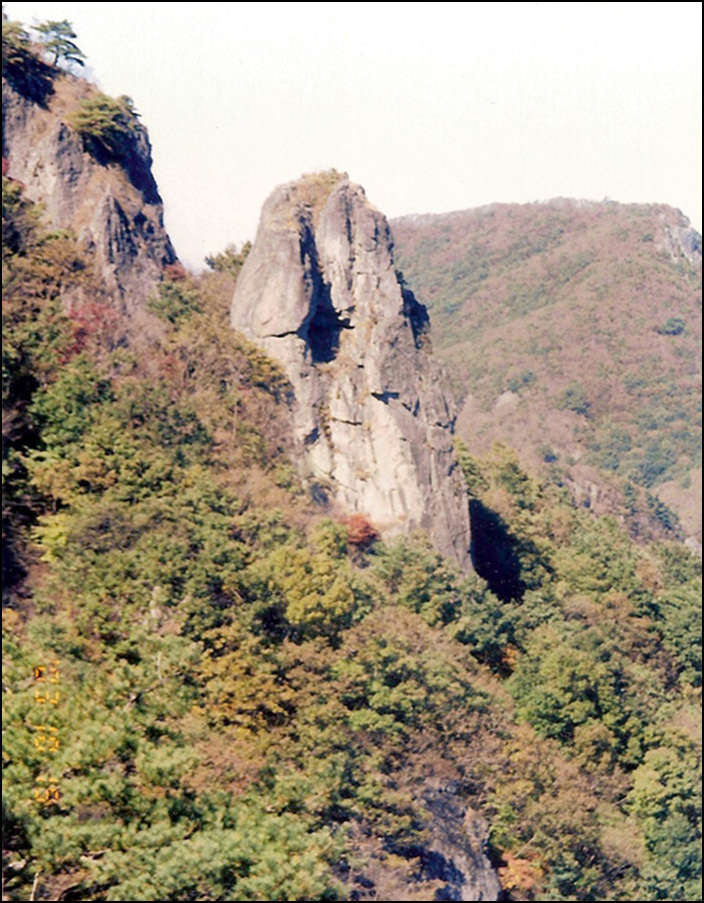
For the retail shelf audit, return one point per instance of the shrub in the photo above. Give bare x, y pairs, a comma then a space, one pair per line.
230, 260
574, 398
57, 38
106, 124
673, 326
15, 44
523, 380
360, 532
173, 302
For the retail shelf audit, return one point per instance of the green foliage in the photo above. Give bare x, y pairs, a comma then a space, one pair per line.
106, 124
512, 559
523, 380
57, 38
37, 339
663, 514
174, 302
230, 260
255, 855
15, 44
63, 409
668, 806
574, 677
679, 610
578, 296
673, 326
569, 696
311, 589
486, 626
611, 447
416, 577
574, 398
654, 462
23, 68
251, 709
19, 221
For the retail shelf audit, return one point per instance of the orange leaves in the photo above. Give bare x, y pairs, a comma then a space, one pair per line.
523, 875
360, 532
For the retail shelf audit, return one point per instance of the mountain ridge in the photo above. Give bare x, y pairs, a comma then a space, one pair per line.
691, 244
571, 331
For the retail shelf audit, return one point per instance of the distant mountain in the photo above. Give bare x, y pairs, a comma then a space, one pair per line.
572, 331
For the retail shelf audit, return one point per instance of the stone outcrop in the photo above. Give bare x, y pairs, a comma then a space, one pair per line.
112, 207
450, 860
456, 852
681, 240
320, 294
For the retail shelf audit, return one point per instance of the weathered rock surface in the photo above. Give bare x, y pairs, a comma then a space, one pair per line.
319, 293
113, 208
681, 240
450, 862
456, 853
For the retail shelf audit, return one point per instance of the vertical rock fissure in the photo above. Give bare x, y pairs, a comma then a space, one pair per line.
417, 316
322, 327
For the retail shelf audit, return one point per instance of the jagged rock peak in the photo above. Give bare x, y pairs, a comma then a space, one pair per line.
319, 292
110, 202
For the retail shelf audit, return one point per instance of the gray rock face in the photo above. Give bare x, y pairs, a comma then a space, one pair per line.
320, 294
113, 208
450, 861
681, 240
457, 850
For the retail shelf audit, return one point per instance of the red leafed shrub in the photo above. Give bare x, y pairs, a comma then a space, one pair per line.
175, 272
93, 319
360, 532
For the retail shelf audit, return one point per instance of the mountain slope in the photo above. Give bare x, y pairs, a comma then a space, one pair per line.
258, 703
213, 690
572, 332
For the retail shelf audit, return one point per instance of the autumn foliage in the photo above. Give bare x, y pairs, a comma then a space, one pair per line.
360, 532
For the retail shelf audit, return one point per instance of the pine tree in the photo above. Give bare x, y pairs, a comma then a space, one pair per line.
58, 39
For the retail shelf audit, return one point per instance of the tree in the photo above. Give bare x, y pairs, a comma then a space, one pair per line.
230, 260
57, 37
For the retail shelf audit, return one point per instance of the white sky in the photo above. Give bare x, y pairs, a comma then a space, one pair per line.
430, 106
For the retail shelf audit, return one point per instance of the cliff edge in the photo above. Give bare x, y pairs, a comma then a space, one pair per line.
106, 196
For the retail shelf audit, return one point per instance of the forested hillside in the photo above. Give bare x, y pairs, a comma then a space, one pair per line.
217, 688
572, 331
265, 696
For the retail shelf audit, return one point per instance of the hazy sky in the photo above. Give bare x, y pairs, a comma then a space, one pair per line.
430, 106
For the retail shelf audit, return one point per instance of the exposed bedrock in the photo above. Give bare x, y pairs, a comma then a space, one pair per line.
320, 294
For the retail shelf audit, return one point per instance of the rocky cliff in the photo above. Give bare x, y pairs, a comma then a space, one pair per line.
112, 205
456, 851
449, 861
319, 292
